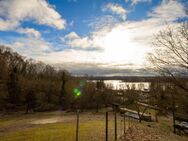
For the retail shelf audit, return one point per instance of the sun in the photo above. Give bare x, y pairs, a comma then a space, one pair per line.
119, 47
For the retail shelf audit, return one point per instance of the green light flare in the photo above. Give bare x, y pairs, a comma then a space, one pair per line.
77, 92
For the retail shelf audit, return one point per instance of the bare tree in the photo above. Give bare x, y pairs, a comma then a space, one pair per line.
170, 56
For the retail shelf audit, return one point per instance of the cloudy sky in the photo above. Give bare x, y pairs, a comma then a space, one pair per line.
97, 37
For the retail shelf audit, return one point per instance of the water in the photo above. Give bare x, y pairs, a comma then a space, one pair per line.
120, 85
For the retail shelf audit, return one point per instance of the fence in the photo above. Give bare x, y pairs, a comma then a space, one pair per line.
109, 127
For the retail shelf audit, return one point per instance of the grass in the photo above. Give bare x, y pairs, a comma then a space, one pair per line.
35, 127
152, 131
44, 132
21, 128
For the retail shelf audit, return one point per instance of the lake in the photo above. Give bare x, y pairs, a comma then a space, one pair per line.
121, 85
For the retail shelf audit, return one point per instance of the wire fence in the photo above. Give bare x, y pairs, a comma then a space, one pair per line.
111, 126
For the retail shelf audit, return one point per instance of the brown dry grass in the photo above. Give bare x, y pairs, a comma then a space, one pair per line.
61, 127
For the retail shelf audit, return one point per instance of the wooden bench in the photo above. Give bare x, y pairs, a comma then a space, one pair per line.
134, 114
181, 123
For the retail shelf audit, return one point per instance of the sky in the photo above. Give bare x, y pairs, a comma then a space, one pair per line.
94, 37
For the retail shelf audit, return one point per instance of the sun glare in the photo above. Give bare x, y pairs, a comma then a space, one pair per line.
120, 47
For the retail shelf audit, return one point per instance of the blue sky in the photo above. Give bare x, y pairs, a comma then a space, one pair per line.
97, 37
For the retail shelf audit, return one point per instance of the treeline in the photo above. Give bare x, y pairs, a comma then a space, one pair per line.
26, 84
164, 96
168, 97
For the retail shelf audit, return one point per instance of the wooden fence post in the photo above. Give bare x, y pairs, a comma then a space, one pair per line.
115, 123
77, 124
124, 123
106, 126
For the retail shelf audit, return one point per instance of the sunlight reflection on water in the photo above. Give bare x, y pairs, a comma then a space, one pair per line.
120, 85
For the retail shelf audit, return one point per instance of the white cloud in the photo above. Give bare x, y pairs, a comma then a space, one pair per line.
113, 45
16, 11
134, 2
116, 44
116, 9
126, 41
101, 22
30, 46
70, 56
29, 32
73, 40
8, 24
168, 11
72, 36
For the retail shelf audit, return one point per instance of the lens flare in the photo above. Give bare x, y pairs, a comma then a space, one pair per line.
77, 92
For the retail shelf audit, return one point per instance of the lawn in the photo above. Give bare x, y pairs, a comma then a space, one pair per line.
61, 126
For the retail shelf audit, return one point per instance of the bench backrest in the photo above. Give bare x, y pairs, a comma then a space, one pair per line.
181, 118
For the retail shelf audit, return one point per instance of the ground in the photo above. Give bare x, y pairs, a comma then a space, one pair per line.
61, 126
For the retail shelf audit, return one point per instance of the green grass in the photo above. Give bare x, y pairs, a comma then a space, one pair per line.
44, 132
20, 127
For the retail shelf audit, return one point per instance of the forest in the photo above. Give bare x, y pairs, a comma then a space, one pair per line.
28, 85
